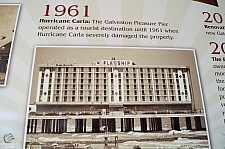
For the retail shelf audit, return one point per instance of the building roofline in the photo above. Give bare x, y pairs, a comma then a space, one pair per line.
112, 66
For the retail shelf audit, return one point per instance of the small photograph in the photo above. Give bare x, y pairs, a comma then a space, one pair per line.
115, 98
9, 16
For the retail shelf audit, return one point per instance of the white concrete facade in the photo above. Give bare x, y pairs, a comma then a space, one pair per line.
109, 82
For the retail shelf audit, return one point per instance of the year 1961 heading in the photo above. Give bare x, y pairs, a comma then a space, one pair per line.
72, 10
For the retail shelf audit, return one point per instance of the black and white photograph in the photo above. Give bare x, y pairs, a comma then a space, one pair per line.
115, 98
9, 15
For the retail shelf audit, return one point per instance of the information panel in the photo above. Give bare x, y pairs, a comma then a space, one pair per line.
112, 74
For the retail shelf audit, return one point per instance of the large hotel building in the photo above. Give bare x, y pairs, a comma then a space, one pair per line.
113, 93
115, 85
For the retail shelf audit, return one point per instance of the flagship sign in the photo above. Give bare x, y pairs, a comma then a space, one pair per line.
117, 62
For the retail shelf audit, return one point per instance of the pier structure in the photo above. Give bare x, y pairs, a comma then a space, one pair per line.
109, 90
148, 123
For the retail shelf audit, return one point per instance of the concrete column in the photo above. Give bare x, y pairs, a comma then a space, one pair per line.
175, 124
39, 87
77, 85
188, 123
181, 84
167, 84
52, 86
203, 124
138, 86
122, 87
143, 124
45, 86
149, 124
62, 83
153, 84
175, 85
116, 86
198, 125
93, 85
188, 88
35, 126
109, 86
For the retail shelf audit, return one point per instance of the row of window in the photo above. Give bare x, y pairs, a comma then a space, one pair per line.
127, 92
106, 86
126, 81
105, 75
127, 99
111, 69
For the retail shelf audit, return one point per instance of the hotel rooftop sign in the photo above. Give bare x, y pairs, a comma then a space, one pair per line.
116, 62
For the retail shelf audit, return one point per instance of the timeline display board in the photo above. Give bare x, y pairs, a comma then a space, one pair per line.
112, 74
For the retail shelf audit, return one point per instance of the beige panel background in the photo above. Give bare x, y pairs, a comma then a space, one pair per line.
184, 15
